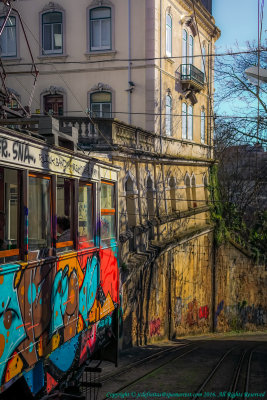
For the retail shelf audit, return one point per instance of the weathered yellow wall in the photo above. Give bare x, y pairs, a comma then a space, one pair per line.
241, 296
173, 296
170, 297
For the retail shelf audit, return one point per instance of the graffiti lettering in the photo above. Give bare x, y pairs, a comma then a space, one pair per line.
154, 327
21, 152
203, 312
3, 148
192, 313
47, 159
218, 311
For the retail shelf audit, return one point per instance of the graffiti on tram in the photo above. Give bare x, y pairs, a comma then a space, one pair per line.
58, 312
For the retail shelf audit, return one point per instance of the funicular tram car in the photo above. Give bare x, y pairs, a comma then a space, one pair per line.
58, 264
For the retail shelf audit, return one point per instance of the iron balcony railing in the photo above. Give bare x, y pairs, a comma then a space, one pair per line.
189, 72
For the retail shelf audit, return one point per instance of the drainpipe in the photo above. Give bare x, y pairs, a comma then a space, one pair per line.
129, 64
139, 192
209, 103
214, 285
160, 78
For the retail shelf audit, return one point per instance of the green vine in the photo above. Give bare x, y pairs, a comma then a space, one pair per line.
220, 231
229, 223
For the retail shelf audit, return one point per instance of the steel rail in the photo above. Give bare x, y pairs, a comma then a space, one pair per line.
248, 370
142, 361
209, 377
155, 369
237, 372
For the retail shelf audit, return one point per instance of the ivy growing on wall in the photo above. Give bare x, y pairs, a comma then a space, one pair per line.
230, 223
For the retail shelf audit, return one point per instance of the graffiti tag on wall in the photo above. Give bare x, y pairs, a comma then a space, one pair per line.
154, 327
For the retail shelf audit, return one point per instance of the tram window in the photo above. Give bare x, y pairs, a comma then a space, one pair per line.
64, 214
40, 232
85, 213
108, 221
9, 203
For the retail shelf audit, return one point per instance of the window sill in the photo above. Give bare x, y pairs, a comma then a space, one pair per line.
12, 59
100, 53
53, 57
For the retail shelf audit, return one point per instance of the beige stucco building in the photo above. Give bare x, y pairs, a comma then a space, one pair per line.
121, 59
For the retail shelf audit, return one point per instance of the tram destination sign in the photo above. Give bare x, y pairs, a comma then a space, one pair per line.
21, 153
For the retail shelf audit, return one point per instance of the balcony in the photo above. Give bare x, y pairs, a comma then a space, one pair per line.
191, 77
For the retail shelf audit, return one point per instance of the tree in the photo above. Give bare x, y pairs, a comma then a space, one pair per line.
240, 138
237, 96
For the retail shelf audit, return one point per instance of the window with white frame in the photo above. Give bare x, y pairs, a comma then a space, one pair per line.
187, 52
187, 121
8, 39
184, 51
100, 28
52, 32
202, 126
168, 115
168, 35
191, 50
101, 104
190, 123
184, 120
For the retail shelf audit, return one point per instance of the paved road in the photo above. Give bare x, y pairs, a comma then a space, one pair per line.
211, 367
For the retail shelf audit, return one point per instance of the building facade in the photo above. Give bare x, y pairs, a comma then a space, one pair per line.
136, 79
147, 63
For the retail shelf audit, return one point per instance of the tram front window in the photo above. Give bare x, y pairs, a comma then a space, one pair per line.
85, 212
40, 233
8, 215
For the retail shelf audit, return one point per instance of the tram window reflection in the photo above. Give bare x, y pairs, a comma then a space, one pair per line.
85, 213
39, 212
9, 202
64, 214
108, 219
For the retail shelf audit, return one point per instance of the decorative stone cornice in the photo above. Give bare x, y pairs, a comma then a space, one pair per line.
52, 6
53, 90
100, 87
100, 3
204, 18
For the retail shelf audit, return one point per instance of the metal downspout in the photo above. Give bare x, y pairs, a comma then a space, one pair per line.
129, 64
160, 79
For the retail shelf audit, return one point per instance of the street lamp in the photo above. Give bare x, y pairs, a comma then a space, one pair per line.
255, 74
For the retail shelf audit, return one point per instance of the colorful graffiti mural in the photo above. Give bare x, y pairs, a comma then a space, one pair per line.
53, 316
237, 316
189, 313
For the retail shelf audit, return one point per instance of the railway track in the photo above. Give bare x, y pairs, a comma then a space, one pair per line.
236, 386
229, 374
145, 363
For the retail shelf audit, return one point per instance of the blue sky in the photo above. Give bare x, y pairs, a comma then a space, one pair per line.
238, 21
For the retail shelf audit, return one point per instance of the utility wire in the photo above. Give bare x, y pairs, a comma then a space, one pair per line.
245, 117
231, 53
